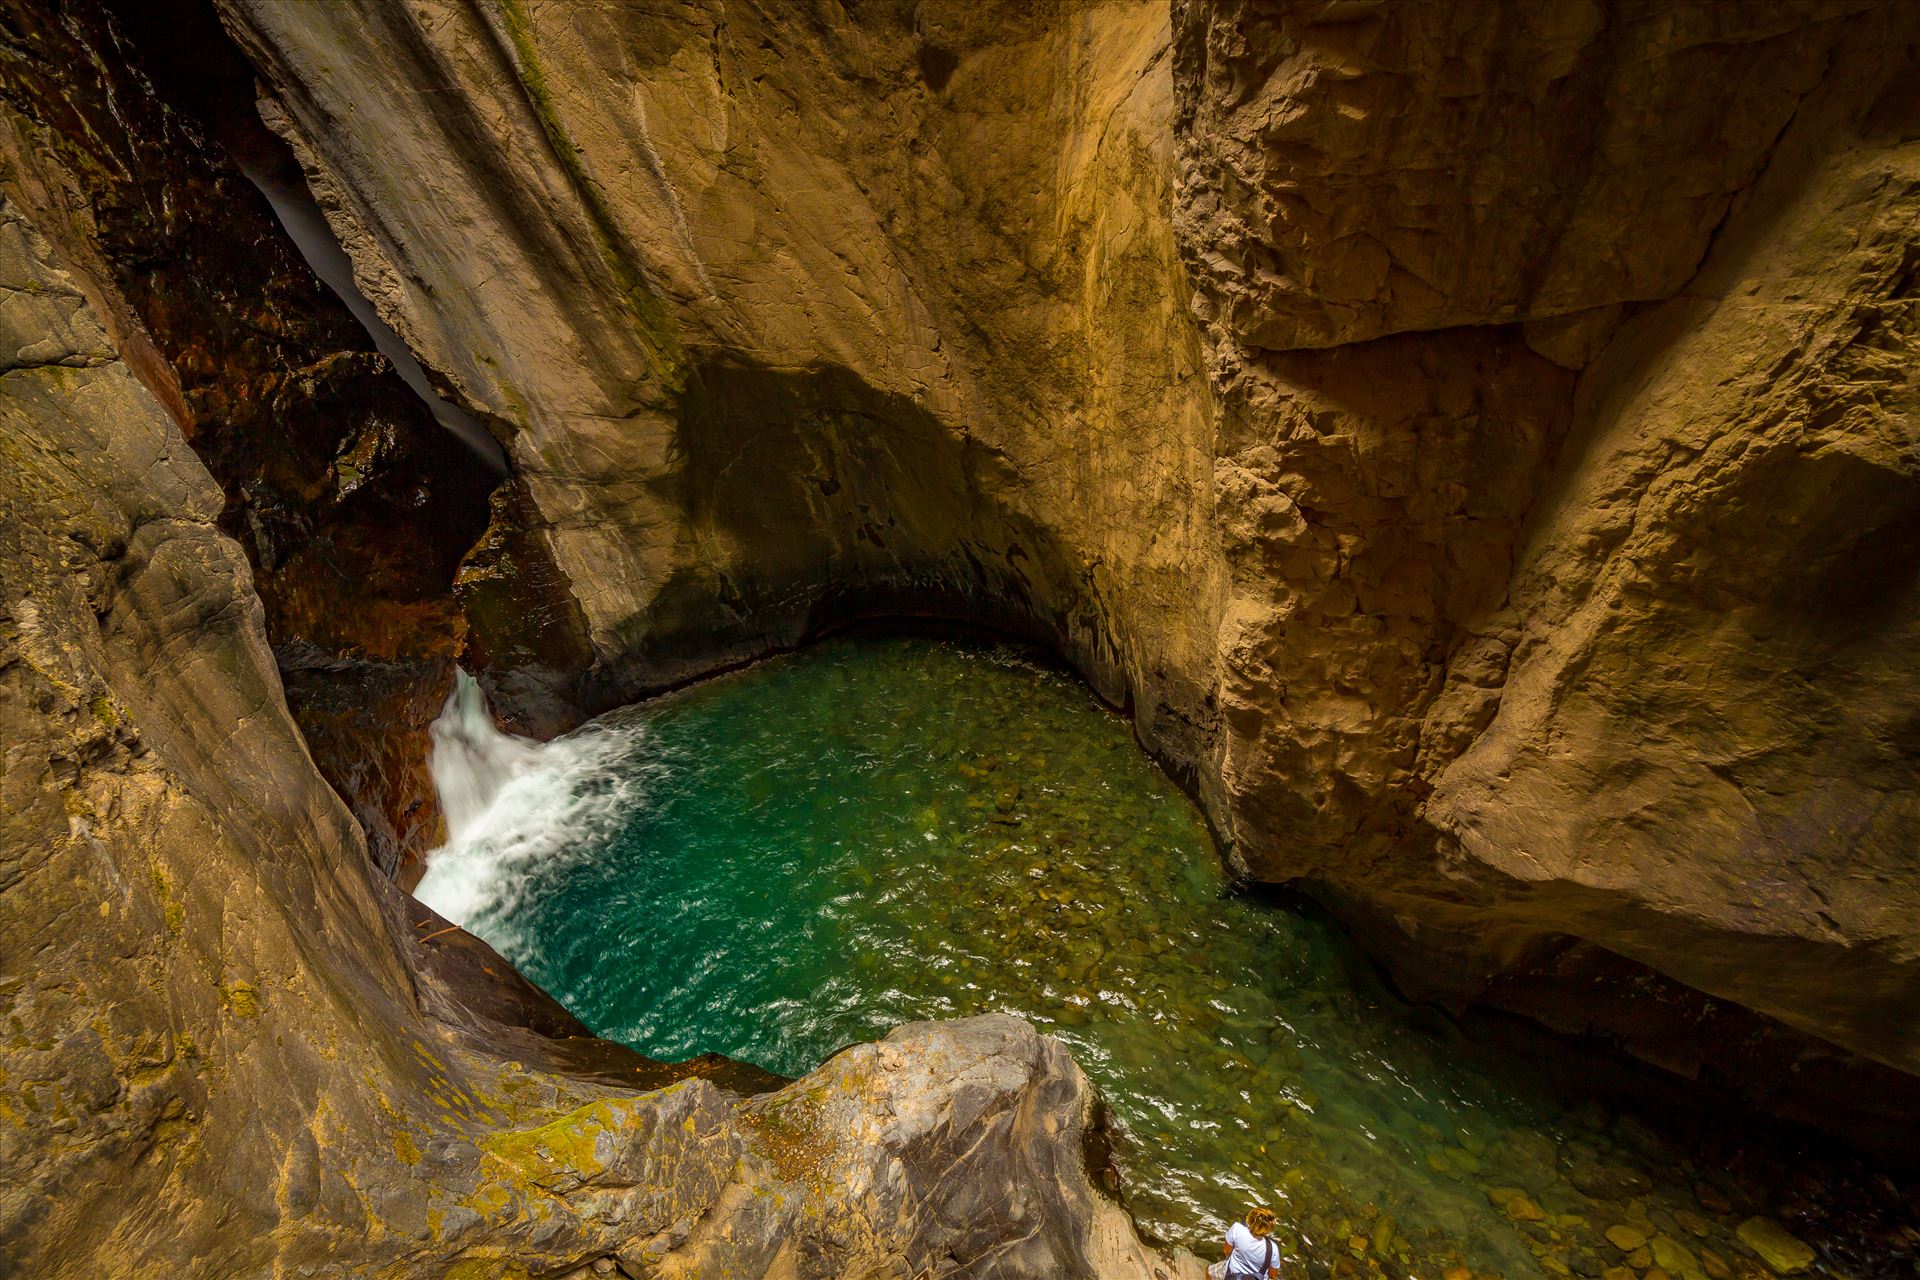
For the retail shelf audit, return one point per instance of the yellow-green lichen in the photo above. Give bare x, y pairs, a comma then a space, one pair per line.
790, 1134
172, 910
485, 1269
243, 1000
564, 1146
489, 1200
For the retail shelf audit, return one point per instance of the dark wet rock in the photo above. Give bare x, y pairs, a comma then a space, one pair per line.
1607, 1182
1711, 1198
465, 984
353, 505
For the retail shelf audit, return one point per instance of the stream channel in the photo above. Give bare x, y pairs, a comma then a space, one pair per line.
778, 862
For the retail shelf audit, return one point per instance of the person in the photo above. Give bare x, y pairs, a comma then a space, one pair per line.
1250, 1252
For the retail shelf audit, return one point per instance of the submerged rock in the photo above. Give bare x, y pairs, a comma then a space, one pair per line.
1776, 1247
1676, 1259
1522, 1209
1626, 1238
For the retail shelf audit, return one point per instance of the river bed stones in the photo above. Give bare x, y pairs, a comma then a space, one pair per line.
1625, 1238
1607, 1182
1676, 1259
1521, 1209
1691, 1223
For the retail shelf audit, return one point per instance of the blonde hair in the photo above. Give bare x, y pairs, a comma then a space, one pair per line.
1260, 1220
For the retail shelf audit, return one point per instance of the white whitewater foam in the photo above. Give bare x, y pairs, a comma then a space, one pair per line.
516, 807
473, 761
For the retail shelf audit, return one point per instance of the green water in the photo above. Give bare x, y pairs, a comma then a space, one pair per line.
779, 862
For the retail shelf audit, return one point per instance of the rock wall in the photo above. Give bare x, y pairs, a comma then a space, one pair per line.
234, 1049
1511, 541
354, 507
1508, 543
1576, 401
220, 1061
189, 933
797, 312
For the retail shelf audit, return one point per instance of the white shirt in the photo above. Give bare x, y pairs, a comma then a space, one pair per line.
1248, 1251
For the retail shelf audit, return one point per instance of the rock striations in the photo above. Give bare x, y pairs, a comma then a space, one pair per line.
1477, 443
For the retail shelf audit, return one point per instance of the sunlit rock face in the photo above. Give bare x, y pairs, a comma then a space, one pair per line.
797, 312
1350, 173
1508, 540
1596, 623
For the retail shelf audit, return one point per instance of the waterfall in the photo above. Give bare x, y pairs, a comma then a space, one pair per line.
472, 760
517, 808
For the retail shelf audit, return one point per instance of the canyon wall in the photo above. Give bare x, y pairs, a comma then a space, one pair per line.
353, 507
1476, 443
226, 1056
1509, 540
794, 313
1573, 351
232, 1046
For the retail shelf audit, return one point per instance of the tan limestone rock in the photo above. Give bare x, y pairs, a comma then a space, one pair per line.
1357, 170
